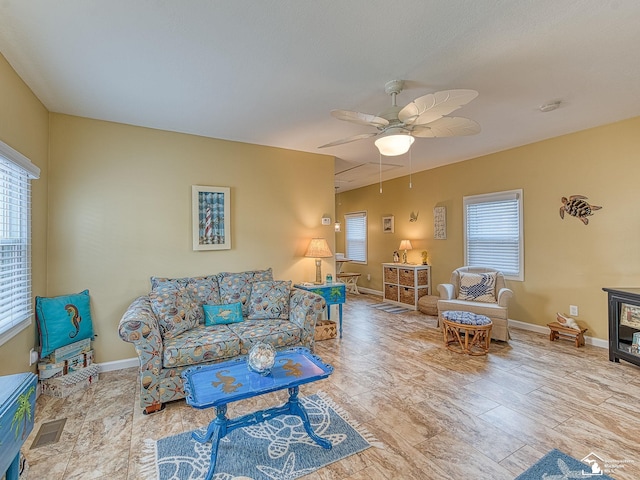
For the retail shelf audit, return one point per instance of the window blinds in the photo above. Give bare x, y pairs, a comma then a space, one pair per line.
16, 309
493, 231
356, 236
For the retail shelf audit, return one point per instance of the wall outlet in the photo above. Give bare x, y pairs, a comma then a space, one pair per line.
573, 310
368, 277
33, 356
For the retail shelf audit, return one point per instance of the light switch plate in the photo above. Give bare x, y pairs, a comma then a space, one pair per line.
326, 220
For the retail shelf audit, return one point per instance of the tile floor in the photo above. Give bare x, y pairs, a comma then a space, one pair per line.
440, 415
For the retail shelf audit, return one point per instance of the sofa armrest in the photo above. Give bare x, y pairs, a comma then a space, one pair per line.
447, 291
304, 309
504, 295
139, 326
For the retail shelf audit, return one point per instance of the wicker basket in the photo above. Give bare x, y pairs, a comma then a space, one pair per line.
325, 329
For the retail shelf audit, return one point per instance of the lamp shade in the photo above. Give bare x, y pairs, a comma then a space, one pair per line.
318, 248
405, 245
395, 144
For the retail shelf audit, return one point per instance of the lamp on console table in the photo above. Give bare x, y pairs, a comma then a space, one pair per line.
318, 248
405, 245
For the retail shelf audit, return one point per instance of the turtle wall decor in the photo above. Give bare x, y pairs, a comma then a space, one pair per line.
577, 206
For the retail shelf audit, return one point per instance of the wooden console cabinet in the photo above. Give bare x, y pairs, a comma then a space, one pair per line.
624, 322
404, 284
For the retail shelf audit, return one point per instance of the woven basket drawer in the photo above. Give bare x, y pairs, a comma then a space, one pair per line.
391, 292
406, 277
423, 277
407, 295
422, 292
390, 275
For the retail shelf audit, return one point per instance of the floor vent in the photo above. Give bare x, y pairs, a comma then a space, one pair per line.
49, 433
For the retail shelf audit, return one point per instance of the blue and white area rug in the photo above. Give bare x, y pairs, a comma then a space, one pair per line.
557, 465
278, 449
389, 308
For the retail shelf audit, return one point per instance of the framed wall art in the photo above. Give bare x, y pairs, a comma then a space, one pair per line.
388, 224
211, 217
440, 223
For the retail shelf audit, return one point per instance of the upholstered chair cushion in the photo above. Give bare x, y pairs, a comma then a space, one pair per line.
478, 287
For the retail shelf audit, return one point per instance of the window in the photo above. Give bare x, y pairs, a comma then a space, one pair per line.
493, 232
16, 172
356, 236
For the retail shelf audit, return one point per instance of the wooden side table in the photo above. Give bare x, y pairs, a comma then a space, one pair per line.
17, 411
333, 294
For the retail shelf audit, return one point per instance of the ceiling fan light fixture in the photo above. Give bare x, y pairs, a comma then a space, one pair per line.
394, 144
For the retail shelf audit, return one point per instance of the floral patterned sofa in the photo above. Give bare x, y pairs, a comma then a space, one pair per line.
170, 332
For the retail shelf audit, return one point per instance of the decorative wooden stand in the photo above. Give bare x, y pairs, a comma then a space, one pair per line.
476, 339
558, 331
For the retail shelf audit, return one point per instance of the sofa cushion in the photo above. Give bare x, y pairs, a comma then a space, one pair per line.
261, 275
175, 308
222, 314
492, 310
478, 287
276, 332
269, 300
63, 320
205, 289
199, 345
235, 287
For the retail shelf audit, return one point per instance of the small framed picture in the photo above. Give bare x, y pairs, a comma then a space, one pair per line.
388, 224
211, 211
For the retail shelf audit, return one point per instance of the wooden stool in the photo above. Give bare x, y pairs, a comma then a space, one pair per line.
476, 330
350, 280
558, 331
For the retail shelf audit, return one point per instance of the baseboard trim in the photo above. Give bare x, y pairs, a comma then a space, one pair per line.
596, 342
118, 365
369, 291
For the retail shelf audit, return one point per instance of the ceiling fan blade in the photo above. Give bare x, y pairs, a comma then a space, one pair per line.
433, 106
360, 118
349, 139
446, 127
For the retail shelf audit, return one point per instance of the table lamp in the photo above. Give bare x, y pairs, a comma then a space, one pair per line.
405, 245
318, 248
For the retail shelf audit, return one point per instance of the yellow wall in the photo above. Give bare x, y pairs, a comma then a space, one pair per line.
566, 262
24, 127
120, 212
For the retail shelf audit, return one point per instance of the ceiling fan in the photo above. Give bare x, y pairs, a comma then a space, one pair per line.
424, 117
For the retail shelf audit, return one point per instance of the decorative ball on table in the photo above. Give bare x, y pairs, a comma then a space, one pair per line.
261, 358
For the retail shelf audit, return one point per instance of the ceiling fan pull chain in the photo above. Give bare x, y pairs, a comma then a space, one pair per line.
380, 156
410, 183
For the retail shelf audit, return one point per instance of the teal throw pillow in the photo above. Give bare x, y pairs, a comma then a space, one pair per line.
63, 320
222, 314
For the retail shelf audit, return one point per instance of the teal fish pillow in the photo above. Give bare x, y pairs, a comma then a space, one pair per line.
63, 320
222, 314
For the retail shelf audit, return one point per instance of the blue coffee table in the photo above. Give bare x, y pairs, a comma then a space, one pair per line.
217, 385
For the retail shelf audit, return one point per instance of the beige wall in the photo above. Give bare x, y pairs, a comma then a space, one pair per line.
566, 262
120, 212
24, 127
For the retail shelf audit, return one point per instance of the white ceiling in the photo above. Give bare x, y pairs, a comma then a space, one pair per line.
269, 71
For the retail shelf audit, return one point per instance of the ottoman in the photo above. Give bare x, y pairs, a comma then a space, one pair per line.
428, 304
466, 332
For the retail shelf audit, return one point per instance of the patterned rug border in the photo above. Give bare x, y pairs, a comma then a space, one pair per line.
390, 308
149, 467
